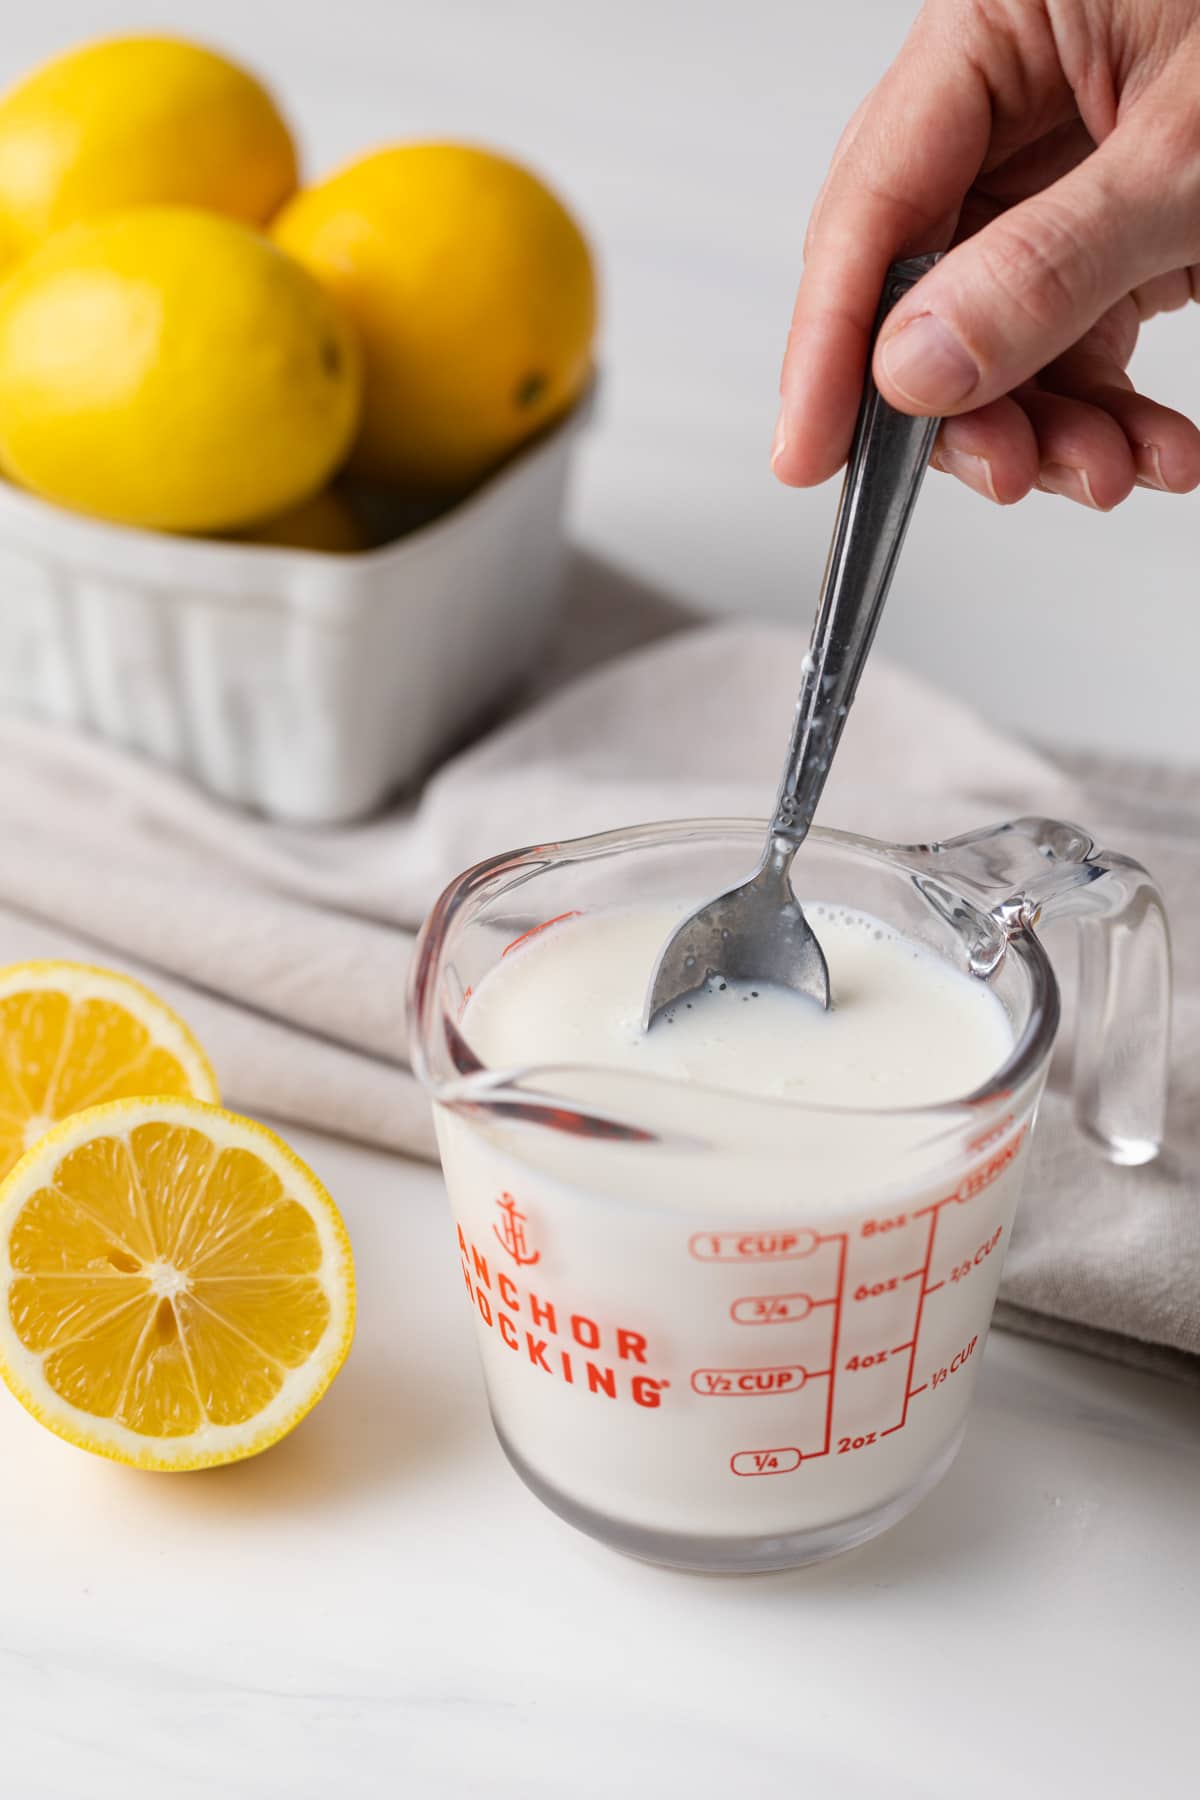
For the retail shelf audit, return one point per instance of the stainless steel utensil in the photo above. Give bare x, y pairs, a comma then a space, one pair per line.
758, 932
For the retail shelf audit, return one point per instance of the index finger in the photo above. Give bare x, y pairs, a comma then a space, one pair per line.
895, 188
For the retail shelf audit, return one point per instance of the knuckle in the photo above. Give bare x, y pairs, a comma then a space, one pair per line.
1041, 263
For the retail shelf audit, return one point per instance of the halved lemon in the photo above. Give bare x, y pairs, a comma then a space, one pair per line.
72, 1035
178, 1287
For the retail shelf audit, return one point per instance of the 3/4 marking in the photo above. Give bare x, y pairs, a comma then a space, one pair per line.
751, 1246
855, 1443
771, 1309
781, 1461
748, 1384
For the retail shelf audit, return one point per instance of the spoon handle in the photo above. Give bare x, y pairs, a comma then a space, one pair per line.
887, 464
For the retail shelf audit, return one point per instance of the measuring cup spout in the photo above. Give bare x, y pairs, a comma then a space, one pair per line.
1033, 872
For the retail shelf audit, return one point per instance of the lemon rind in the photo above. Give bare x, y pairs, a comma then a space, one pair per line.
87, 981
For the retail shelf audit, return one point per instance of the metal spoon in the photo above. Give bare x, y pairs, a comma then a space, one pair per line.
758, 932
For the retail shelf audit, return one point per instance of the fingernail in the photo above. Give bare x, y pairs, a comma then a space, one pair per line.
1071, 484
779, 442
928, 365
1155, 477
975, 471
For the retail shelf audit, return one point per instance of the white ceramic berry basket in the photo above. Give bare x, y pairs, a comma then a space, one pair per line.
305, 685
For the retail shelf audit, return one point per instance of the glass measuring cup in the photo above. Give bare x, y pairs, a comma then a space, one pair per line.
712, 1335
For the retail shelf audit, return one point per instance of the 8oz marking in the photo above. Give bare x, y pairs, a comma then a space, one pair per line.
871, 1226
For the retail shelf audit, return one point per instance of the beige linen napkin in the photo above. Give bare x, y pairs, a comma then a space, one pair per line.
287, 949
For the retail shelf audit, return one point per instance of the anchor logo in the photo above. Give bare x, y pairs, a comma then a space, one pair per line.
512, 1233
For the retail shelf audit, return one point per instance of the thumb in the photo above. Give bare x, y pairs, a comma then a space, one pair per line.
1007, 301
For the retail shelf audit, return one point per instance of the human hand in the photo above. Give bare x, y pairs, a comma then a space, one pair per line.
1056, 145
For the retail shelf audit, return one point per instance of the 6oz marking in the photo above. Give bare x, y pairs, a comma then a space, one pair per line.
871, 1291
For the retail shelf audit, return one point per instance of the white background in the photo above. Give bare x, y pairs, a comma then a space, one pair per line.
691, 135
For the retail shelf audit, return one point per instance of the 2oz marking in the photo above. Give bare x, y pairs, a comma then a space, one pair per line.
855, 1443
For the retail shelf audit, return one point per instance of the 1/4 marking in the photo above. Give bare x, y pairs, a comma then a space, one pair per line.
780, 1461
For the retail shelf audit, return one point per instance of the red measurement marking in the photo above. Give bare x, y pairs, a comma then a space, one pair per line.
766, 1462
833, 1350
544, 926
952, 1368
979, 1178
462, 1005
772, 1309
871, 1226
990, 1136
751, 1246
921, 1292
748, 1384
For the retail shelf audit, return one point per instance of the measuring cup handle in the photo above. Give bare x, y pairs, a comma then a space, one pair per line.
1047, 871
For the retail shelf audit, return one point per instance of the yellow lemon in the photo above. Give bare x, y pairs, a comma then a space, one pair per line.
473, 293
72, 1035
133, 121
326, 522
168, 368
178, 1288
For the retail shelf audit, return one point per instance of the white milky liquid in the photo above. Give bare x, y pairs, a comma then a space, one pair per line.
768, 1320
906, 1029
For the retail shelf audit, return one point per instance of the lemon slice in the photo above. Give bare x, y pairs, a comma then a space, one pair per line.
178, 1287
71, 1036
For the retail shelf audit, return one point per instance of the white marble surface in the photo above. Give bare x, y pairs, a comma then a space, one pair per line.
378, 1608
